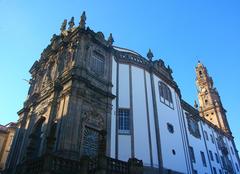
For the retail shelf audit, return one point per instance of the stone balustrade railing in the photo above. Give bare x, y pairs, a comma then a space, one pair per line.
49, 164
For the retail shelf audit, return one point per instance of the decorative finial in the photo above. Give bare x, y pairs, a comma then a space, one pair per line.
150, 55
83, 20
195, 104
110, 39
64, 24
71, 23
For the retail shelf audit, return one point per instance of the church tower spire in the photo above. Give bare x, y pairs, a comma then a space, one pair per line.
210, 105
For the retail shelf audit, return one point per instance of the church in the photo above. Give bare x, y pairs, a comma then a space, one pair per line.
93, 107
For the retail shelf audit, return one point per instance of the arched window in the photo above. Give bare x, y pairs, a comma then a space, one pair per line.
165, 94
35, 139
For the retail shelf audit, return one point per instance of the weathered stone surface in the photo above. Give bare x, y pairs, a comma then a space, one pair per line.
67, 97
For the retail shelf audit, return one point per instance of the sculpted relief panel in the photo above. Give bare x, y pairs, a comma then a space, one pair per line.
93, 119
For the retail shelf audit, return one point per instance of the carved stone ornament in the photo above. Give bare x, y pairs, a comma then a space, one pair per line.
100, 35
64, 24
193, 126
150, 55
42, 111
71, 23
83, 20
93, 119
110, 39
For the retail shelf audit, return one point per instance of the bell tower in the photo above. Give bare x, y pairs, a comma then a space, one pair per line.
209, 100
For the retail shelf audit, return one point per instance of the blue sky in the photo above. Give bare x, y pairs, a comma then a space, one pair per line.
180, 32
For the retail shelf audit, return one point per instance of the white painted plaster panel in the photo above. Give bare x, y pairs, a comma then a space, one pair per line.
124, 86
113, 115
141, 139
170, 141
114, 76
124, 152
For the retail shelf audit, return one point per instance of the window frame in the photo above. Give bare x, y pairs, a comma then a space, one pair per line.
124, 121
204, 162
237, 167
165, 94
170, 128
214, 170
217, 157
193, 127
212, 138
195, 171
192, 155
206, 135
98, 63
211, 155
232, 150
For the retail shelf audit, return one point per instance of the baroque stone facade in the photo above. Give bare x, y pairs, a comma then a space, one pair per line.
91, 105
69, 99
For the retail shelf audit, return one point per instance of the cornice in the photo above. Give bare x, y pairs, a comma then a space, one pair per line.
157, 67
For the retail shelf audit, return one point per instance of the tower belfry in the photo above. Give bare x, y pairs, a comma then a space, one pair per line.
210, 105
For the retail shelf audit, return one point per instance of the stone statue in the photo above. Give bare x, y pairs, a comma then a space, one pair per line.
83, 20
54, 36
64, 24
110, 39
71, 23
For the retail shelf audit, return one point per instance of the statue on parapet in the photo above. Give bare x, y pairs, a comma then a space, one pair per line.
71, 23
83, 20
110, 39
64, 25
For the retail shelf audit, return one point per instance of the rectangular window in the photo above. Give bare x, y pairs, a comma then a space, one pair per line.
203, 159
212, 139
214, 170
232, 150
237, 167
217, 158
98, 63
165, 94
206, 135
192, 156
124, 123
211, 155
223, 162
